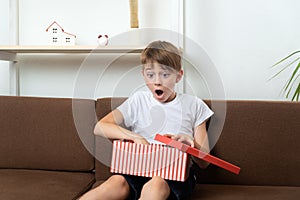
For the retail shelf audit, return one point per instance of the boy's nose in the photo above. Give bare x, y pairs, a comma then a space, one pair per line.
157, 81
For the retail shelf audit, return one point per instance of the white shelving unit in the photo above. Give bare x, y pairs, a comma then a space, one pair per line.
9, 53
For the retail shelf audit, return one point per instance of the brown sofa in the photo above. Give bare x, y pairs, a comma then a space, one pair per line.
44, 154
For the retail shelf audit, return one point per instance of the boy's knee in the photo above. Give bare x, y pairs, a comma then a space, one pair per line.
157, 184
118, 179
117, 183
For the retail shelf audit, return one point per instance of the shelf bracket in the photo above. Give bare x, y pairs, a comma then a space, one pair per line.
7, 56
14, 82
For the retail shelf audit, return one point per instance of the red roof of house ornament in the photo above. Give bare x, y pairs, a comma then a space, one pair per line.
60, 28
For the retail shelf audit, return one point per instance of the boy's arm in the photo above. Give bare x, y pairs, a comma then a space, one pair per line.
201, 142
109, 127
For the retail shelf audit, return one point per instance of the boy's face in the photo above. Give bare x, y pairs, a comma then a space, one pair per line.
161, 81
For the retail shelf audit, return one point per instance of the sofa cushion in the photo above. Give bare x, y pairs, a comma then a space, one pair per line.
261, 137
238, 192
38, 184
40, 133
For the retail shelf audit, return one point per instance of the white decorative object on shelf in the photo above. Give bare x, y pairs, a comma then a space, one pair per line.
103, 40
57, 35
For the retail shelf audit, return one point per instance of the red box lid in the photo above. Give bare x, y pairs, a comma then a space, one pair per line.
199, 154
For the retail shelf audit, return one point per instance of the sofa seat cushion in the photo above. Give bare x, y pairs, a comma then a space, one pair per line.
39, 184
232, 192
238, 192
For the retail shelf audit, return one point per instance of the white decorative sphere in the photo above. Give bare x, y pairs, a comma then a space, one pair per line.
102, 40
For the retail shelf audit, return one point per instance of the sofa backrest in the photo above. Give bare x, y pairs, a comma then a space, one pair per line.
40, 133
103, 146
262, 138
259, 136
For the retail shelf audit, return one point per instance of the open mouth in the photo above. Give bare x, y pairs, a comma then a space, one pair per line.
159, 92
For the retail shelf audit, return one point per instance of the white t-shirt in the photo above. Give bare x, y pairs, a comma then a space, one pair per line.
146, 116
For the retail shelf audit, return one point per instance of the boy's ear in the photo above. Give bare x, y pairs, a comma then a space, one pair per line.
179, 76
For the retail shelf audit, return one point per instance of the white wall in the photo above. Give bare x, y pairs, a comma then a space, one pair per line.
243, 39
85, 19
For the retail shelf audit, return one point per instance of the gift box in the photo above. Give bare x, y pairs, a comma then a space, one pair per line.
149, 160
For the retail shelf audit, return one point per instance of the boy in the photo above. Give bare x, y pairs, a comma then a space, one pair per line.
159, 110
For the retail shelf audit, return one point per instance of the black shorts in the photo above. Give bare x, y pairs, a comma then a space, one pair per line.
178, 190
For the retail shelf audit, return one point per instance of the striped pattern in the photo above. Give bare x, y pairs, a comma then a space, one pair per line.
149, 160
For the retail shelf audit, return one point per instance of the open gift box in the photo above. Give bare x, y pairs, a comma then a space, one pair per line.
169, 162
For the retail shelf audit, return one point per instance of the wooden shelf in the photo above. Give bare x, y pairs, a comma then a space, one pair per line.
70, 49
9, 53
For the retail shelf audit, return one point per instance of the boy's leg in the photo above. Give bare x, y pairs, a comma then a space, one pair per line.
116, 187
156, 188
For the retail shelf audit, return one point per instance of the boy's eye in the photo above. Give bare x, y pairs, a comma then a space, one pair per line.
150, 75
166, 75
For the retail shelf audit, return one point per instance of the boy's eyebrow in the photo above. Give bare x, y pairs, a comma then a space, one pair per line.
164, 67
167, 68
148, 66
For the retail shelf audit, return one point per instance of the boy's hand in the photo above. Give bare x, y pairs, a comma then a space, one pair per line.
184, 138
140, 140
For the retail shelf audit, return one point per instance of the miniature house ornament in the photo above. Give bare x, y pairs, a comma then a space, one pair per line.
57, 36
103, 40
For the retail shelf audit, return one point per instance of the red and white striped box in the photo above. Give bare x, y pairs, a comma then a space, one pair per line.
149, 160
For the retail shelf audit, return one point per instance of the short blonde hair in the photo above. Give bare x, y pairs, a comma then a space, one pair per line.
163, 53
